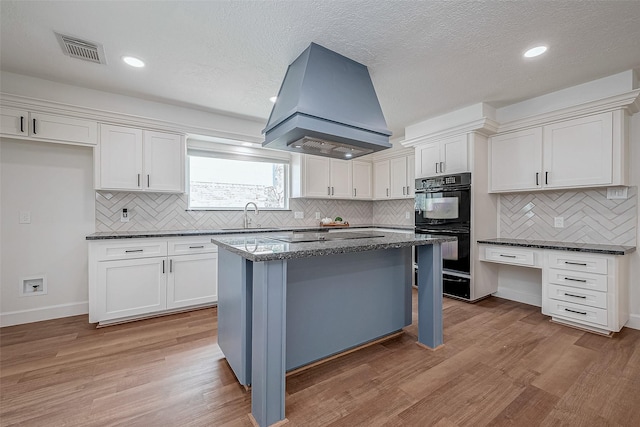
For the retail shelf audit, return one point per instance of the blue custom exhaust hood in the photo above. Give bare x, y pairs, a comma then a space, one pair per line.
327, 106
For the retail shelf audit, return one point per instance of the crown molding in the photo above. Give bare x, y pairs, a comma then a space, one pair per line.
115, 118
484, 126
629, 101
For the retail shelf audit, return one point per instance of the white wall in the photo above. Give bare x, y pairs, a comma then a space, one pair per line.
55, 183
634, 274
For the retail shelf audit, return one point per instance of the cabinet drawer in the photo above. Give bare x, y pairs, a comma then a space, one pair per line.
577, 262
511, 255
130, 250
578, 279
192, 246
577, 312
578, 296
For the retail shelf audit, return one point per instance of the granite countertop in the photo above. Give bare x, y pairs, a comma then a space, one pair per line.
259, 247
104, 235
562, 246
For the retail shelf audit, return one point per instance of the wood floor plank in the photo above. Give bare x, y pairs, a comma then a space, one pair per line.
503, 363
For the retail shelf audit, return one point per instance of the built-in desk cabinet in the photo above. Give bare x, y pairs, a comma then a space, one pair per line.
580, 289
587, 151
134, 278
131, 159
40, 126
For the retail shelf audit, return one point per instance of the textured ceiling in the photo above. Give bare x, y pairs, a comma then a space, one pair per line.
425, 57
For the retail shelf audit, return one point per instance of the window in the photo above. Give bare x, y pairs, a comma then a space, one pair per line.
223, 180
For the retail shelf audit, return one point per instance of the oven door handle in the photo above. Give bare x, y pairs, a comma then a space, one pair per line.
443, 231
446, 279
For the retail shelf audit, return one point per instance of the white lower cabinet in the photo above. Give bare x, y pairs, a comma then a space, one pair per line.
585, 290
138, 278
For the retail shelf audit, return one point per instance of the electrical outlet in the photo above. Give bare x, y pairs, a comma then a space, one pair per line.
317, 215
298, 215
124, 217
25, 217
617, 193
407, 215
558, 222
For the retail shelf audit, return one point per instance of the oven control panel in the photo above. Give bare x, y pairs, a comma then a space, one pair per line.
443, 181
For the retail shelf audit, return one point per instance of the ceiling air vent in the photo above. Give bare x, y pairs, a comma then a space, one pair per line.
81, 49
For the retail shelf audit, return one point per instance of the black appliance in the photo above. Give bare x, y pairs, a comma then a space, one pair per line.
443, 206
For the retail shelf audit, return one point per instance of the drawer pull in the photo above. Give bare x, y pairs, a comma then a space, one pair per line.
584, 313
196, 247
507, 256
575, 280
134, 250
575, 296
583, 264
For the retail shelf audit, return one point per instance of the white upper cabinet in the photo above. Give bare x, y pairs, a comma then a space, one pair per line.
139, 160
362, 182
444, 157
583, 152
516, 160
48, 127
320, 177
394, 178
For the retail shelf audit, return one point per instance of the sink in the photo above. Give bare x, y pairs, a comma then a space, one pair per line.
322, 236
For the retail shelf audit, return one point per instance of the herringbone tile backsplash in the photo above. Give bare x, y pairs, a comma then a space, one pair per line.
589, 217
157, 211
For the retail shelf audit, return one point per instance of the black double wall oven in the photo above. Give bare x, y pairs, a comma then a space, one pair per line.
443, 206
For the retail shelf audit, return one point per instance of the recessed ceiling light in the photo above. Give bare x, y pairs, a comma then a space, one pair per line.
535, 51
348, 155
133, 61
273, 99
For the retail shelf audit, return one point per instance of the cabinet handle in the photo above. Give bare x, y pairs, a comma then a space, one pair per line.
138, 180
584, 264
148, 181
404, 191
196, 247
332, 191
436, 167
575, 280
22, 124
162, 266
441, 167
408, 190
134, 250
575, 296
387, 192
34, 126
507, 256
537, 176
170, 266
546, 177
328, 191
584, 313
354, 192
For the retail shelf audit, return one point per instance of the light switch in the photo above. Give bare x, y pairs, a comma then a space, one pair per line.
25, 217
298, 215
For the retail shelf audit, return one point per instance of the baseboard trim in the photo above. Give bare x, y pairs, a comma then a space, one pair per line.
634, 322
44, 313
535, 300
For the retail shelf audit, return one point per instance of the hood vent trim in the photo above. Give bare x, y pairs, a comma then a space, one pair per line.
327, 106
81, 49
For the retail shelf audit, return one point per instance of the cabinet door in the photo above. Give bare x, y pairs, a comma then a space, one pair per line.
411, 176
163, 162
62, 128
340, 173
515, 160
131, 287
398, 177
316, 174
381, 180
454, 155
192, 280
14, 122
427, 160
120, 158
579, 152
362, 188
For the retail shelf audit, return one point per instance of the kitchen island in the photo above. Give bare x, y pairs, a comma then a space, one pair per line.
288, 300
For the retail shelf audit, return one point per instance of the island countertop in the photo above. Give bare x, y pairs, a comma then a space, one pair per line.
259, 247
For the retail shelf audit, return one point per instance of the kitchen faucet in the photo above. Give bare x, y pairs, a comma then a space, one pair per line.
247, 221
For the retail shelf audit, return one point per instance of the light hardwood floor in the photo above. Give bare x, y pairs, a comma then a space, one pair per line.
503, 363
